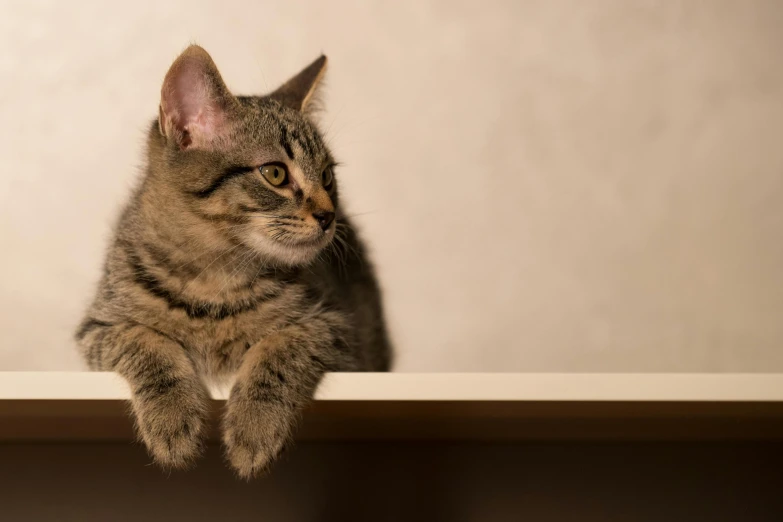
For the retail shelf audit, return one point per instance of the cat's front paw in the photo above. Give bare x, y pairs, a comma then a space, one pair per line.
255, 433
171, 425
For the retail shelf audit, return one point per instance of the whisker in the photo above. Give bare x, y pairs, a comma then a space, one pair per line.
360, 214
340, 251
270, 216
252, 281
242, 264
342, 231
209, 265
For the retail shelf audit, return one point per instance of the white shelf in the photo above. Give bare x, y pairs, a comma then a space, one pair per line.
91, 406
608, 387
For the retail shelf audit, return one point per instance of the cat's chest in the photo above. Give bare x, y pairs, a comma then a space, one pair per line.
218, 345
216, 331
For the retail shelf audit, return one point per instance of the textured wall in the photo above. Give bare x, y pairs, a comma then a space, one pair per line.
562, 185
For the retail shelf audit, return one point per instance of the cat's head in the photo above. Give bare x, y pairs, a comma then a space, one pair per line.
254, 168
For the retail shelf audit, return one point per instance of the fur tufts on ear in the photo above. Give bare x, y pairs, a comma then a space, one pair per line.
194, 102
300, 92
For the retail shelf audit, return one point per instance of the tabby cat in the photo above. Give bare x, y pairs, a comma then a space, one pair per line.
233, 263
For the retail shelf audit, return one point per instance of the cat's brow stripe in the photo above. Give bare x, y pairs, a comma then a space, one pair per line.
304, 143
313, 143
284, 142
227, 174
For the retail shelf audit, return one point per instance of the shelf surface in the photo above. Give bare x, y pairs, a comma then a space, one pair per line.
82, 406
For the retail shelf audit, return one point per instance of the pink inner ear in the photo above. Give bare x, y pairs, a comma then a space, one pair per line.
194, 97
190, 103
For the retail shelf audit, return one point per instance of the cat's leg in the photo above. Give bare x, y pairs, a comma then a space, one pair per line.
169, 401
277, 378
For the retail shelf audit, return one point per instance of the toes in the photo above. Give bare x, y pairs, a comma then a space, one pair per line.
254, 441
247, 461
172, 434
251, 458
174, 451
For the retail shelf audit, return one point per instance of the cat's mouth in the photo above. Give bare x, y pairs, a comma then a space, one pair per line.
290, 249
320, 241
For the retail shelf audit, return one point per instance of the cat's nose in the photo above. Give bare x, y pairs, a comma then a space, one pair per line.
324, 219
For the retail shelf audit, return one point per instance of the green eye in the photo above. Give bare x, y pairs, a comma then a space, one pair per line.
275, 174
326, 177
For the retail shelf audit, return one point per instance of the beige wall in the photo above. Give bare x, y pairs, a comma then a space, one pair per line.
563, 185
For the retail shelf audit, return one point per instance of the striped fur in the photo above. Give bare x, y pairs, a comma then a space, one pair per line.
216, 276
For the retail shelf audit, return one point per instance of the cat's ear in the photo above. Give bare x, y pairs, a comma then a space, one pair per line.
194, 101
299, 92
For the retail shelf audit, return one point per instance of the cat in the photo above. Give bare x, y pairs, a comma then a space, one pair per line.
233, 262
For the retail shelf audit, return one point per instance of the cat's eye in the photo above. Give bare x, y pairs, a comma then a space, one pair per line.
327, 178
275, 174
